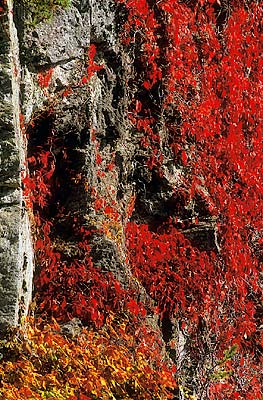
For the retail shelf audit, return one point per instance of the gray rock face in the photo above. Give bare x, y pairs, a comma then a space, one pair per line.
68, 35
62, 44
16, 255
103, 22
16, 265
65, 37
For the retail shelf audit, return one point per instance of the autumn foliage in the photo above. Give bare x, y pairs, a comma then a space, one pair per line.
197, 102
107, 363
211, 69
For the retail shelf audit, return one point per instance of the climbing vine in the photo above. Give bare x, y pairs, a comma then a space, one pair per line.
211, 83
197, 102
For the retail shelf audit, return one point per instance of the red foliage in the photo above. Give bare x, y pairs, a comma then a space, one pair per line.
68, 283
67, 92
211, 75
92, 65
44, 78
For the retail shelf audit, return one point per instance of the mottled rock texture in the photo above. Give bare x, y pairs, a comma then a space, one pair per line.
62, 45
16, 256
27, 52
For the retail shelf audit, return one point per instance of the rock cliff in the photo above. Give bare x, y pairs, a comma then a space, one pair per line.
83, 124
16, 254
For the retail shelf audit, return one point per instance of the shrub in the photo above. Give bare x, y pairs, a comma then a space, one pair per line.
40, 363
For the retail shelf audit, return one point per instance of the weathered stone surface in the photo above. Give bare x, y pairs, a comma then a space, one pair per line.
10, 162
16, 255
103, 22
99, 105
65, 37
16, 272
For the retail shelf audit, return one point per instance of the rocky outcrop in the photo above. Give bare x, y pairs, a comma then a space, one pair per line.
80, 119
16, 255
61, 46
32, 107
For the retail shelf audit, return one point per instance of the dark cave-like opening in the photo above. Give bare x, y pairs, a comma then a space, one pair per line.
55, 165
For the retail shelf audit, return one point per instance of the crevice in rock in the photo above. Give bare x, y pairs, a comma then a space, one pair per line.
157, 204
167, 327
48, 66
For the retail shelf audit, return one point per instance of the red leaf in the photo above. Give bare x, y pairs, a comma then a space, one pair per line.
147, 85
184, 157
98, 159
84, 80
133, 307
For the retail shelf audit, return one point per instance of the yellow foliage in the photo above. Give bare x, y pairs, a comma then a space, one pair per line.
40, 363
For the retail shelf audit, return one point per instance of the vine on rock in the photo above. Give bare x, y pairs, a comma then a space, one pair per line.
196, 107
211, 81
